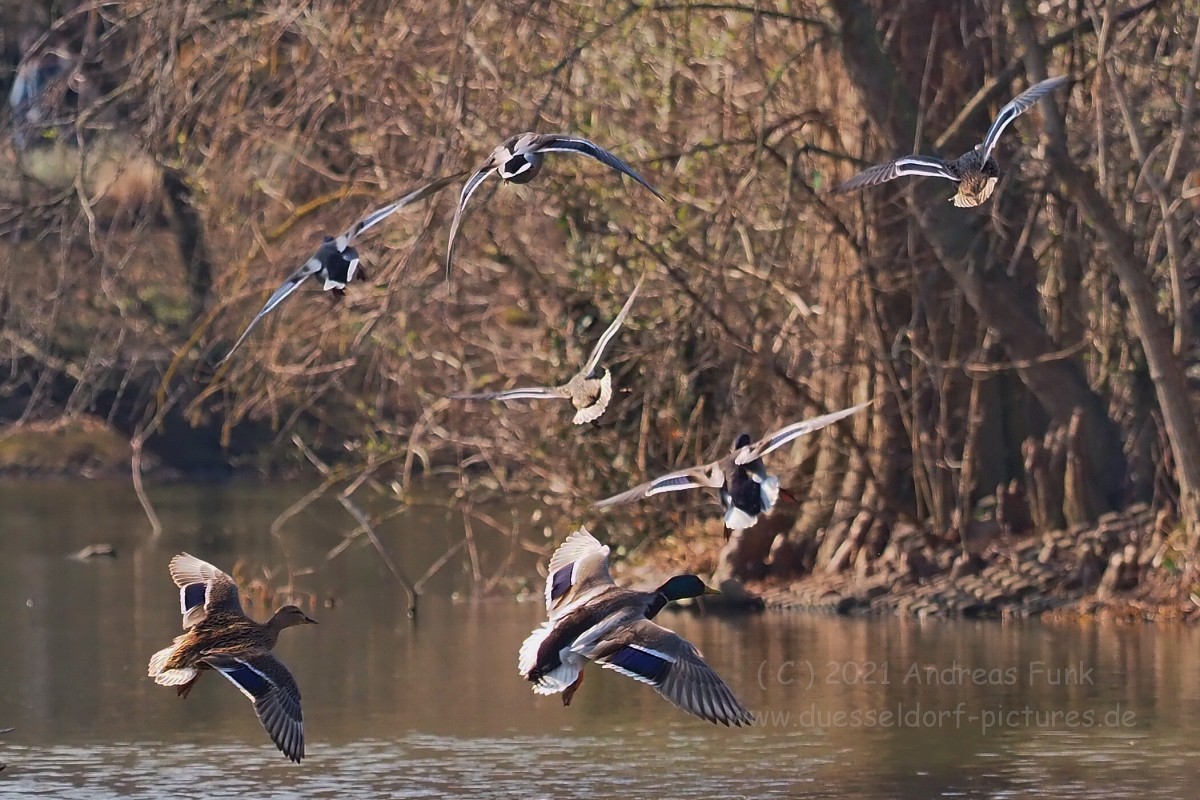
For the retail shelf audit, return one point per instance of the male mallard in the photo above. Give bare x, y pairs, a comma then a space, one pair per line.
519, 159
336, 262
593, 619
976, 172
220, 636
746, 488
589, 391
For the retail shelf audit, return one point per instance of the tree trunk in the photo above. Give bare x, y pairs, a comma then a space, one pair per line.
957, 238
1153, 331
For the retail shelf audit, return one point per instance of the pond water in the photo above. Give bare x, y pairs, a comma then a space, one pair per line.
435, 708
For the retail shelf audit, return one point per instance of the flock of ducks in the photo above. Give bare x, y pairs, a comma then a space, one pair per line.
590, 618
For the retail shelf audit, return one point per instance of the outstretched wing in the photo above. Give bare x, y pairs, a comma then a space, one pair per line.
709, 476
929, 166
528, 393
579, 565
662, 658
380, 214
202, 588
1018, 106
266, 681
468, 189
794, 431
610, 332
310, 268
563, 143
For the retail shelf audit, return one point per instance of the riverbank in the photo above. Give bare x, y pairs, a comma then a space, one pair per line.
1125, 566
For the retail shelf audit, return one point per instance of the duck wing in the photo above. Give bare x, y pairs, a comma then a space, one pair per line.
929, 166
709, 475
598, 351
266, 681
578, 567
1016, 107
202, 589
794, 431
468, 189
527, 393
293, 282
565, 143
662, 658
379, 215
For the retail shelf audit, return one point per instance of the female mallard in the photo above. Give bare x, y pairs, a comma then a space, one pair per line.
975, 172
593, 619
519, 160
746, 488
220, 636
336, 263
588, 390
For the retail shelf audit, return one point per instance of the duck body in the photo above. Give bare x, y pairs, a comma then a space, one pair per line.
590, 394
749, 491
516, 161
977, 175
339, 265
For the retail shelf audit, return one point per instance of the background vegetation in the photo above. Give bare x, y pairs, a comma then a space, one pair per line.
1032, 361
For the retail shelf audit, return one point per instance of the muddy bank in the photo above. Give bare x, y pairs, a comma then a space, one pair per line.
71, 447
1127, 565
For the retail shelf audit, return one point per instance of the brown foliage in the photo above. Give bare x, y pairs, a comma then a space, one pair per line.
770, 300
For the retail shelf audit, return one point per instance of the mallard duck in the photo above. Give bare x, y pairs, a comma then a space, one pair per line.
593, 619
745, 487
336, 263
220, 636
975, 172
519, 160
589, 390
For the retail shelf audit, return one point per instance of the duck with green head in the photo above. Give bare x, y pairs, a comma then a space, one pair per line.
220, 636
593, 619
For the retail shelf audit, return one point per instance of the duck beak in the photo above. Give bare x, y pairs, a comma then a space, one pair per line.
710, 590
309, 620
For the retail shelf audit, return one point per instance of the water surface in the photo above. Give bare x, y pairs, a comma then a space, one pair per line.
848, 708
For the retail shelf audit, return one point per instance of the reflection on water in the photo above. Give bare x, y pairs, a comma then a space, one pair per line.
864, 709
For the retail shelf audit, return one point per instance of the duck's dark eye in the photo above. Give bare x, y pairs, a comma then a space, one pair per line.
326, 239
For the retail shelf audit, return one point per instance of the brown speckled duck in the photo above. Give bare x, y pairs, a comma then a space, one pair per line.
220, 636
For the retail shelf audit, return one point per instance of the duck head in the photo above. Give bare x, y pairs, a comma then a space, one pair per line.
289, 616
677, 588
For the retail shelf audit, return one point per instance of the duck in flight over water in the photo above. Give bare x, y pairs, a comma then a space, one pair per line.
219, 636
593, 619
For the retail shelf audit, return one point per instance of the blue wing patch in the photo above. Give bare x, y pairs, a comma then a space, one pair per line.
560, 584
678, 480
193, 595
653, 668
254, 683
